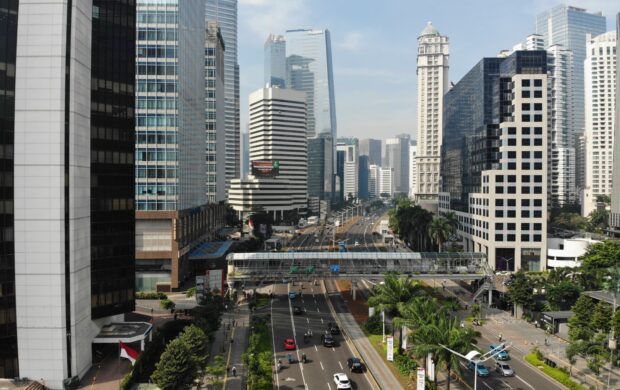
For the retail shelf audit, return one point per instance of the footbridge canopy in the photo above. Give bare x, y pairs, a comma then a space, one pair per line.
290, 266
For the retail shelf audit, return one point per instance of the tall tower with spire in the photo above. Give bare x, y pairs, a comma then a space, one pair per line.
432, 72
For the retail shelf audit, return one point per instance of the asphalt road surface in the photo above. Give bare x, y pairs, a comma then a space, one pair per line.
322, 362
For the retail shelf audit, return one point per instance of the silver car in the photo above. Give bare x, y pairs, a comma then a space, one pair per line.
504, 369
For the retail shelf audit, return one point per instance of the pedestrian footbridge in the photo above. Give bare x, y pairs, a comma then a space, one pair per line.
270, 267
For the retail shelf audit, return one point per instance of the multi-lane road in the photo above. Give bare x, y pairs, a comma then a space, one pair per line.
322, 362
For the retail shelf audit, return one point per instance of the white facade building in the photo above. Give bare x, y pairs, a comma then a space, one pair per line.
374, 172
386, 181
600, 85
433, 83
412, 167
350, 180
277, 134
565, 252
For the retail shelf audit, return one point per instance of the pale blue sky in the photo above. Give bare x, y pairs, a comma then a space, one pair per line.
374, 47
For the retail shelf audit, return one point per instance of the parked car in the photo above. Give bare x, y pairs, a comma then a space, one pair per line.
503, 355
289, 344
482, 369
355, 365
342, 381
504, 369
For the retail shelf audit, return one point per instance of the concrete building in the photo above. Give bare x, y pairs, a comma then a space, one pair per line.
413, 147
67, 193
386, 181
600, 79
173, 110
320, 180
224, 12
433, 83
215, 111
397, 157
374, 180
275, 61
371, 148
278, 155
614, 217
350, 178
566, 252
499, 191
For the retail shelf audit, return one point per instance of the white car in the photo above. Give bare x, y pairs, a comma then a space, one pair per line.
342, 381
357, 243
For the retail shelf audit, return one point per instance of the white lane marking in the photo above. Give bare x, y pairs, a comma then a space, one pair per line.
290, 310
340, 364
322, 368
317, 310
330, 386
307, 320
333, 349
321, 320
488, 387
506, 383
316, 349
522, 380
273, 338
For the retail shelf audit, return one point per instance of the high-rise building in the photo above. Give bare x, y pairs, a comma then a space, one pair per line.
275, 61
320, 161
224, 12
309, 69
600, 82
278, 155
363, 178
172, 129
339, 179
494, 159
567, 26
386, 181
215, 111
374, 179
67, 192
245, 154
350, 180
413, 147
397, 157
433, 82
614, 216
371, 148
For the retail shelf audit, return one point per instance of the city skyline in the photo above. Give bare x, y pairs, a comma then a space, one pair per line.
388, 99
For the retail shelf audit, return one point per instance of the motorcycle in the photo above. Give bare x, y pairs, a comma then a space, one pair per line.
303, 357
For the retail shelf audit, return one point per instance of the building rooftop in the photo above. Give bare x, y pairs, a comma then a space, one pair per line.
429, 30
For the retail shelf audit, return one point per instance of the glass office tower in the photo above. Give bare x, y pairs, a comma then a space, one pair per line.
275, 61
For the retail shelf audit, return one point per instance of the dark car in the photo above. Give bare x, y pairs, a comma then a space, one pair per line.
334, 329
297, 310
355, 365
328, 340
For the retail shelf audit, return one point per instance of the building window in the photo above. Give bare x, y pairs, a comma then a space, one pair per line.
499, 226
537, 94
525, 214
538, 83
511, 237
499, 214
525, 83
511, 214
499, 202
525, 202
525, 226
525, 94
499, 237
499, 190
537, 238
525, 237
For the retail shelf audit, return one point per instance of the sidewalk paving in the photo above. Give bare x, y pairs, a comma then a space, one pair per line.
231, 342
526, 336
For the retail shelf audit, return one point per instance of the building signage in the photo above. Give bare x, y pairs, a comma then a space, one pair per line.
390, 348
420, 379
265, 168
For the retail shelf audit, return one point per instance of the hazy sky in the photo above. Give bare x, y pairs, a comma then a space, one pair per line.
374, 46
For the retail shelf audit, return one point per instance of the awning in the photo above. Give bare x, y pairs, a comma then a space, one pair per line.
210, 250
126, 332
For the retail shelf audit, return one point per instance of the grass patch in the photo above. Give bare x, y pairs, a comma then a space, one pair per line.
259, 356
262, 300
554, 373
376, 341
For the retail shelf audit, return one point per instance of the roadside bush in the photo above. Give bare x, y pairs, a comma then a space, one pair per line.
405, 364
150, 295
556, 373
374, 324
190, 292
259, 356
166, 304
126, 383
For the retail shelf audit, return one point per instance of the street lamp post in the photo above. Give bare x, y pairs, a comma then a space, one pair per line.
476, 357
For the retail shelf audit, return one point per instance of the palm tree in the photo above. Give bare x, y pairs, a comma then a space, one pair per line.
439, 231
386, 297
446, 331
452, 220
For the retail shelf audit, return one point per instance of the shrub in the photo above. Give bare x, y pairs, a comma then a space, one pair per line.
166, 304
150, 295
405, 364
374, 324
190, 292
555, 373
127, 382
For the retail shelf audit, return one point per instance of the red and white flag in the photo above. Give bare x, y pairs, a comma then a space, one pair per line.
129, 353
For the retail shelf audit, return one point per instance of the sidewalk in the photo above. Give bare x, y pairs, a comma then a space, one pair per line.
231, 342
526, 336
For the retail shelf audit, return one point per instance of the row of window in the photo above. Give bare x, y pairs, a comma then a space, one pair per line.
513, 202
528, 82
156, 120
513, 190
150, 172
525, 155
513, 237
156, 155
513, 214
156, 189
524, 142
160, 17
513, 226
524, 130
110, 157
513, 178
156, 51
156, 137
156, 103
157, 34
156, 69
152, 205
157, 86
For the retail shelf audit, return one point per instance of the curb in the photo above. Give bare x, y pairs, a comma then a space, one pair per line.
373, 381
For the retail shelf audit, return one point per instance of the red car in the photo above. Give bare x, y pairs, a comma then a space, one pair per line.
289, 344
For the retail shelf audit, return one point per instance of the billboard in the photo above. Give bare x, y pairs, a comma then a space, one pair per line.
215, 280
265, 168
390, 348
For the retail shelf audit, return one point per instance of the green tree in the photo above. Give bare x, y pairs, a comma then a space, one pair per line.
521, 291
562, 295
601, 317
569, 221
261, 222
176, 368
216, 371
476, 310
597, 264
440, 230
603, 199
446, 331
579, 324
196, 341
598, 220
